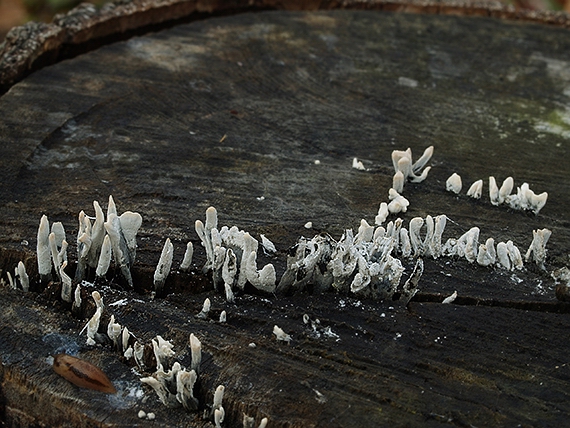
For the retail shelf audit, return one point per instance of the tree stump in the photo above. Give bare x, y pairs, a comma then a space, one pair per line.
261, 115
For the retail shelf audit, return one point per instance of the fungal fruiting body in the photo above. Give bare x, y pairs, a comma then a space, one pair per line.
43, 250
281, 335
537, 248
476, 189
203, 314
187, 261
453, 183
23, 276
82, 373
356, 164
163, 267
450, 299
196, 351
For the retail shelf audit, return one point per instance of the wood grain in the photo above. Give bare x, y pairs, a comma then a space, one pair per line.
228, 110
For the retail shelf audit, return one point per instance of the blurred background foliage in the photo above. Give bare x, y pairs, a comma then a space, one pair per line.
17, 12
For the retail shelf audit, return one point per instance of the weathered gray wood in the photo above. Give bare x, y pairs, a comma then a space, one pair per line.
34, 45
225, 111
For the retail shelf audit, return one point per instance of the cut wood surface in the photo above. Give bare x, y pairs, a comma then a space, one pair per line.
261, 115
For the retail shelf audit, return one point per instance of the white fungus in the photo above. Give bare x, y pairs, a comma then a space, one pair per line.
537, 248
453, 183
402, 162
23, 276
164, 263
196, 351
267, 245
104, 258
356, 164
451, 298
476, 189
187, 261
281, 335
65, 284
43, 250
203, 314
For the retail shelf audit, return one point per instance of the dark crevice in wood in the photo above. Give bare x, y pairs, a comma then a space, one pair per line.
553, 307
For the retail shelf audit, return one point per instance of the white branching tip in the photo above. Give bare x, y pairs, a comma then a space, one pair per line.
398, 182
223, 316
493, 191
111, 207
467, 244
514, 255
268, 246
537, 248
476, 189
281, 335
219, 415
453, 183
114, 331
125, 336
76, 307
415, 226
187, 261
487, 255
365, 232
164, 263
211, 218
229, 271
98, 299
203, 314
93, 325
130, 225
263, 423
97, 235
65, 284
382, 214
23, 276
164, 395
196, 351
184, 389
506, 189
450, 299
503, 255
218, 397
405, 244
397, 202
54, 253
356, 164
402, 161
104, 258
43, 249
162, 350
